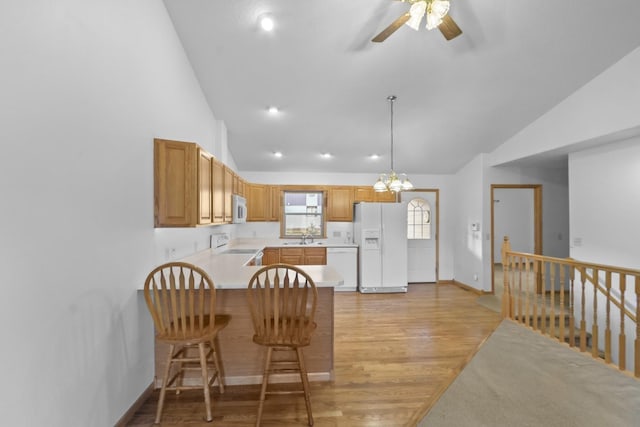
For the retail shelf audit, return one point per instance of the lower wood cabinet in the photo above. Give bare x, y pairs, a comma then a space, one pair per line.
270, 256
295, 256
315, 256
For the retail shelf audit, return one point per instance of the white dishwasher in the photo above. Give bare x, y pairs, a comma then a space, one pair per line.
345, 262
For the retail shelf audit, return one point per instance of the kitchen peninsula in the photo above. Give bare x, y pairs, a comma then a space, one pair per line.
242, 360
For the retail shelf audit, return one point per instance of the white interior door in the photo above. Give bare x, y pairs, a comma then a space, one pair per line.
421, 251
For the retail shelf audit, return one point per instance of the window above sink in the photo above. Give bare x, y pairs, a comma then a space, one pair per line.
303, 214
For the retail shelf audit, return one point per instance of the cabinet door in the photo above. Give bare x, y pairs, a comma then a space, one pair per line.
293, 256
271, 256
275, 204
385, 196
218, 192
238, 185
228, 194
257, 202
315, 256
363, 194
205, 190
340, 204
175, 183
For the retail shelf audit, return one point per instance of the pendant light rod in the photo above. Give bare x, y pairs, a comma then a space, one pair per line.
392, 182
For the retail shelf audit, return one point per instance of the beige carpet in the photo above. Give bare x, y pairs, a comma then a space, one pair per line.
520, 378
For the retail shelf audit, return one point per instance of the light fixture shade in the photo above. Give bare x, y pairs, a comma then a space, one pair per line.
417, 12
436, 11
407, 185
380, 186
440, 8
395, 185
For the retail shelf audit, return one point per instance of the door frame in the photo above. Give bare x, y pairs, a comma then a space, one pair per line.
537, 223
436, 225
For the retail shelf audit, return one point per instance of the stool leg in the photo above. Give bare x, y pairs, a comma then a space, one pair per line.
205, 380
217, 362
265, 380
163, 389
305, 384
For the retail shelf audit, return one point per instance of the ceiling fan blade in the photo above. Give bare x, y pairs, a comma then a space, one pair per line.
449, 28
391, 28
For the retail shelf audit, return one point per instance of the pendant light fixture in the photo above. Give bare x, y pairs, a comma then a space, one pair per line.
392, 181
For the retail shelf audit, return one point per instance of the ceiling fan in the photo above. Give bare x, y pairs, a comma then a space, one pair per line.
436, 12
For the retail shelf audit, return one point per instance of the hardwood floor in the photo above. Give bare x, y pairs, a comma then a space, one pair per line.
395, 354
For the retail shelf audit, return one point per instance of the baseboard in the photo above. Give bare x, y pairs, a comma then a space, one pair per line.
469, 288
122, 422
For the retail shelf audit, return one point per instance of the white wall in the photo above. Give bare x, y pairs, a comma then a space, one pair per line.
513, 216
605, 207
605, 204
600, 110
468, 209
86, 86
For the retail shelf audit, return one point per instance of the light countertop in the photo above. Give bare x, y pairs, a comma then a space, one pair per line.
228, 271
257, 243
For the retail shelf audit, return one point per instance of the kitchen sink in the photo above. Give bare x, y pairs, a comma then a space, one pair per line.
302, 244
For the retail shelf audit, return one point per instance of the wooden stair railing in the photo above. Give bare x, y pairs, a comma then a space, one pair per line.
574, 301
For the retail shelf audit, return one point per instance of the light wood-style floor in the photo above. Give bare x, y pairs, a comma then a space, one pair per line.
395, 354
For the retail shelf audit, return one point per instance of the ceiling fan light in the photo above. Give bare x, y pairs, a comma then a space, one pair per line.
433, 21
439, 8
417, 12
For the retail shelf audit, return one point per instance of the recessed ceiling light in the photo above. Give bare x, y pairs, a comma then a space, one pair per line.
326, 155
266, 22
273, 110
374, 157
277, 154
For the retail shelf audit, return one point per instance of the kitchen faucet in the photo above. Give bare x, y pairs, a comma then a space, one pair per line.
305, 237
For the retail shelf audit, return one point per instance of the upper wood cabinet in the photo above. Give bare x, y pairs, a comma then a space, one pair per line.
363, 194
191, 187
205, 193
275, 203
263, 202
238, 185
384, 196
182, 184
218, 192
368, 194
340, 203
228, 194
258, 205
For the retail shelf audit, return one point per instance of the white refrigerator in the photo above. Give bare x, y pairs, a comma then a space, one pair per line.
381, 231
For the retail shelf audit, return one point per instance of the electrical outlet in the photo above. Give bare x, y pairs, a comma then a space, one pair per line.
475, 277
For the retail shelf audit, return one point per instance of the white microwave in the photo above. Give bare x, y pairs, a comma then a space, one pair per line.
239, 205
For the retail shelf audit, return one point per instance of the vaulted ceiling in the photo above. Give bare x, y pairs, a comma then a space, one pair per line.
514, 61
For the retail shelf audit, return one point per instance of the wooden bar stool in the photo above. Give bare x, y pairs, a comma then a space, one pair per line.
282, 300
181, 298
